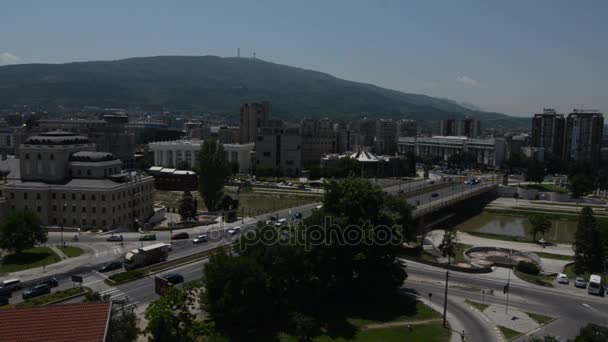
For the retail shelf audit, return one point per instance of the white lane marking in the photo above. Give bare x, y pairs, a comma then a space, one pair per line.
92, 282
109, 291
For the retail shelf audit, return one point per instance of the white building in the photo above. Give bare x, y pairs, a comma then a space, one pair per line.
172, 153
490, 152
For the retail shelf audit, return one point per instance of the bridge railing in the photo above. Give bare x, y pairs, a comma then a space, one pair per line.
450, 200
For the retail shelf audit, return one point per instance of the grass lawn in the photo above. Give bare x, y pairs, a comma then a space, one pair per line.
427, 257
477, 305
540, 319
54, 296
547, 187
29, 258
541, 280
460, 248
569, 271
509, 334
71, 251
553, 256
430, 332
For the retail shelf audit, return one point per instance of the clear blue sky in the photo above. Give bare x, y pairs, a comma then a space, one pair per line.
514, 57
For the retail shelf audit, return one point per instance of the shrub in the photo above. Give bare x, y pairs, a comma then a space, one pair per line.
528, 267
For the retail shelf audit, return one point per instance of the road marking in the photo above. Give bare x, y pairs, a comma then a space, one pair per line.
92, 282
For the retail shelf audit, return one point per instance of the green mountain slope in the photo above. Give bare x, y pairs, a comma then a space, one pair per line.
219, 85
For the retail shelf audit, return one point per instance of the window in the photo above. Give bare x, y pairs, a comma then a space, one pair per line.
93, 209
54, 207
93, 197
54, 196
63, 196
27, 156
12, 195
79, 172
74, 222
84, 222
39, 156
103, 210
25, 195
84, 209
103, 197
73, 197
38, 209
37, 196
65, 221
88, 172
65, 207
73, 208
289, 162
54, 220
94, 223
266, 154
83, 197
260, 138
103, 223
12, 207
52, 157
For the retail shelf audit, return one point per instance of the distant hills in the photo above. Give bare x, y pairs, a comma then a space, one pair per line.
219, 85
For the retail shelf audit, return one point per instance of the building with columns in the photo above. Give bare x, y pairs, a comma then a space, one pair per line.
490, 152
66, 182
173, 153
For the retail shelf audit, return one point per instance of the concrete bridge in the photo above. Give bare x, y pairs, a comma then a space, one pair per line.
434, 201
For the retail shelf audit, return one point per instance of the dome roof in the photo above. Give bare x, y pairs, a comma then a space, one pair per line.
57, 138
88, 156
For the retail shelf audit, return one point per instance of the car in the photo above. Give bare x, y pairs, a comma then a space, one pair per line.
562, 278
281, 222
35, 291
148, 237
297, 216
234, 230
52, 282
180, 236
10, 285
111, 266
200, 239
114, 238
174, 278
580, 282
435, 194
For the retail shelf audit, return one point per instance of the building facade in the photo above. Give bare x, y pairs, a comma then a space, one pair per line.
318, 139
385, 140
583, 136
170, 154
467, 127
253, 116
278, 151
548, 131
66, 182
407, 128
490, 152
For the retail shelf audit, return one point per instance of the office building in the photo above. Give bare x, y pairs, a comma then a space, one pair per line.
583, 136
171, 154
367, 131
278, 151
490, 152
253, 116
407, 128
67, 182
385, 140
343, 137
467, 127
318, 139
548, 131
447, 127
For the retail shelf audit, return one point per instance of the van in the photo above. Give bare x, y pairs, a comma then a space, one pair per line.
10, 284
595, 285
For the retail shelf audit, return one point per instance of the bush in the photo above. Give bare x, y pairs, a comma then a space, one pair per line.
528, 267
128, 276
304, 327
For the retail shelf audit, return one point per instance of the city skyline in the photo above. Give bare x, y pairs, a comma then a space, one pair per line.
512, 58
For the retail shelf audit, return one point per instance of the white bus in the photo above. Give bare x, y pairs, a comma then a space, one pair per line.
595, 285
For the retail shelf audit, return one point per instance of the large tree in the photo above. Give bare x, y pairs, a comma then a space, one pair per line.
187, 207
588, 246
123, 325
213, 173
592, 333
580, 184
535, 172
170, 317
20, 231
448, 244
540, 224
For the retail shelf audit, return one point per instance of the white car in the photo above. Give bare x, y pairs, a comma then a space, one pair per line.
234, 231
562, 278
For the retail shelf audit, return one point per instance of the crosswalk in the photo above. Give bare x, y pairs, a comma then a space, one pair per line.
118, 297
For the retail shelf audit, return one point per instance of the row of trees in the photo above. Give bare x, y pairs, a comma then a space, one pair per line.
589, 244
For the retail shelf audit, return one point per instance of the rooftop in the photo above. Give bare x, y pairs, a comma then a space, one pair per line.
85, 322
57, 138
90, 156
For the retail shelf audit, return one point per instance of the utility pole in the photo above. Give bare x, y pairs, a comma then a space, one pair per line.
506, 291
445, 298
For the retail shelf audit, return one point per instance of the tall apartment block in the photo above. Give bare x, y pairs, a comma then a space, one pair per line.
386, 136
407, 128
583, 136
278, 150
253, 117
548, 132
467, 127
318, 139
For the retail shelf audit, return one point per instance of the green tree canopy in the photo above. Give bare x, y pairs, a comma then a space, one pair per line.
20, 231
213, 173
535, 172
187, 207
169, 317
448, 244
588, 246
123, 325
540, 224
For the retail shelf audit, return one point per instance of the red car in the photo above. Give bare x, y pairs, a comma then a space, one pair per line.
180, 236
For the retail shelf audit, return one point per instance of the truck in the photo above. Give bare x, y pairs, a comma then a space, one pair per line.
595, 285
147, 255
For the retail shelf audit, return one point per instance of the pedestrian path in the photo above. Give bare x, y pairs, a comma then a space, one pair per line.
58, 252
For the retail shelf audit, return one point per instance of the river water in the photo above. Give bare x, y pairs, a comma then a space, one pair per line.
492, 223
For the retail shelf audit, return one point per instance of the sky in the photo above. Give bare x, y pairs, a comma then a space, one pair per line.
514, 57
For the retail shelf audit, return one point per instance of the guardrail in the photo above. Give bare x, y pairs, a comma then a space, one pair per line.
446, 202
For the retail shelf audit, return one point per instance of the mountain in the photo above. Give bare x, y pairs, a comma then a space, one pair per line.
218, 85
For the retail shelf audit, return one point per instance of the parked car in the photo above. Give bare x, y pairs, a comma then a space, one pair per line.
111, 266
10, 285
52, 282
281, 222
562, 278
174, 278
114, 238
234, 230
297, 216
180, 236
580, 282
148, 237
200, 239
36, 290
435, 194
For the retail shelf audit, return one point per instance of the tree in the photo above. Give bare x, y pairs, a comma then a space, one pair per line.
448, 244
580, 184
20, 231
516, 161
187, 207
535, 172
123, 325
592, 333
213, 172
588, 246
169, 317
540, 224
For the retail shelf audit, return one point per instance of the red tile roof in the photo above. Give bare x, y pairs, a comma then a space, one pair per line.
56, 323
